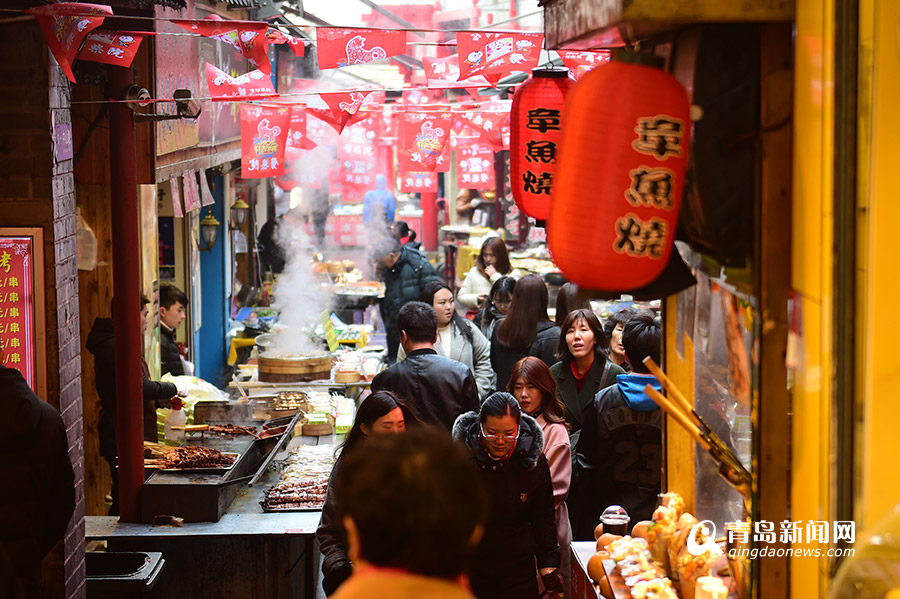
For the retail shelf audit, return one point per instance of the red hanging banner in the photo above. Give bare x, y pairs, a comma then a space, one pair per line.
112, 47
495, 55
19, 304
348, 102
475, 166
341, 47
422, 139
580, 62
247, 37
65, 25
249, 86
264, 132
297, 140
443, 73
418, 182
294, 43
536, 123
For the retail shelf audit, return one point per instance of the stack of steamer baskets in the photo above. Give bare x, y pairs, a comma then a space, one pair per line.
275, 368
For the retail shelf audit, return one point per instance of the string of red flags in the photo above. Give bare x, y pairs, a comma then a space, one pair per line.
65, 26
580, 62
112, 47
223, 87
247, 37
495, 55
340, 46
443, 73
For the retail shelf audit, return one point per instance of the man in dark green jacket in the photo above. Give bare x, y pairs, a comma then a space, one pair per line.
404, 272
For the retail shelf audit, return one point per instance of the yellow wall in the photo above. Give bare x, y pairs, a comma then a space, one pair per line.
879, 280
812, 265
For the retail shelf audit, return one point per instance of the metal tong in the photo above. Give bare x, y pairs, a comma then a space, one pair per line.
677, 406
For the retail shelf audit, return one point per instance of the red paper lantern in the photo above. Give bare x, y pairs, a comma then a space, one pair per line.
620, 175
535, 130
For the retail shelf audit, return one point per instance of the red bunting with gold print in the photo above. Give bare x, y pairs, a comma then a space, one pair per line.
112, 47
65, 25
264, 131
496, 55
341, 47
247, 37
423, 136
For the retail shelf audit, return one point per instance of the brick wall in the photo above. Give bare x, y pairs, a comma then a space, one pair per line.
37, 190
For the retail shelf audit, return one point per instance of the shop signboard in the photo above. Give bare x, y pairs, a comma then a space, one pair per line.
22, 304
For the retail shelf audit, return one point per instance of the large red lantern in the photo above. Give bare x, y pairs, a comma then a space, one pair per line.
535, 128
620, 176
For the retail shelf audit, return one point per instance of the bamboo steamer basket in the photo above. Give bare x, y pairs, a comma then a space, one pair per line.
275, 369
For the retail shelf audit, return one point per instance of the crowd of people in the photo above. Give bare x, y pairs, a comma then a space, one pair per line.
551, 418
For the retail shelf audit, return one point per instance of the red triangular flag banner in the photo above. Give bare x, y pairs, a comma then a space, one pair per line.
65, 25
247, 37
297, 140
443, 73
348, 102
264, 131
422, 139
580, 62
337, 120
249, 86
341, 47
112, 47
496, 55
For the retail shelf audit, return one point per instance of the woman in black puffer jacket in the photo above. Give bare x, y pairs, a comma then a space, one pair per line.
507, 447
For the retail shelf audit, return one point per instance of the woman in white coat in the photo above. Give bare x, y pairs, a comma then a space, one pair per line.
459, 339
491, 264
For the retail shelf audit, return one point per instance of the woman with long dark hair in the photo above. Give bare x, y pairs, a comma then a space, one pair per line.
381, 413
496, 307
491, 264
458, 339
534, 387
520, 530
526, 330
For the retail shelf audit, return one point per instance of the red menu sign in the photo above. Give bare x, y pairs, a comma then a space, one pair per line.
17, 305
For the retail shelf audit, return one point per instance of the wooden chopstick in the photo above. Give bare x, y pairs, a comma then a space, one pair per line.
670, 388
672, 410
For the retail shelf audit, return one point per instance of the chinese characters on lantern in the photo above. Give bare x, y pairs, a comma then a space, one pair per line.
16, 306
541, 151
660, 136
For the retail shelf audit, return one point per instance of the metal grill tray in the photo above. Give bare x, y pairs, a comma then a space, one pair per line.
211, 470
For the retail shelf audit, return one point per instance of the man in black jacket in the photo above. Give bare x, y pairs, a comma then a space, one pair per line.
101, 342
404, 271
34, 454
172, 305
437, 389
